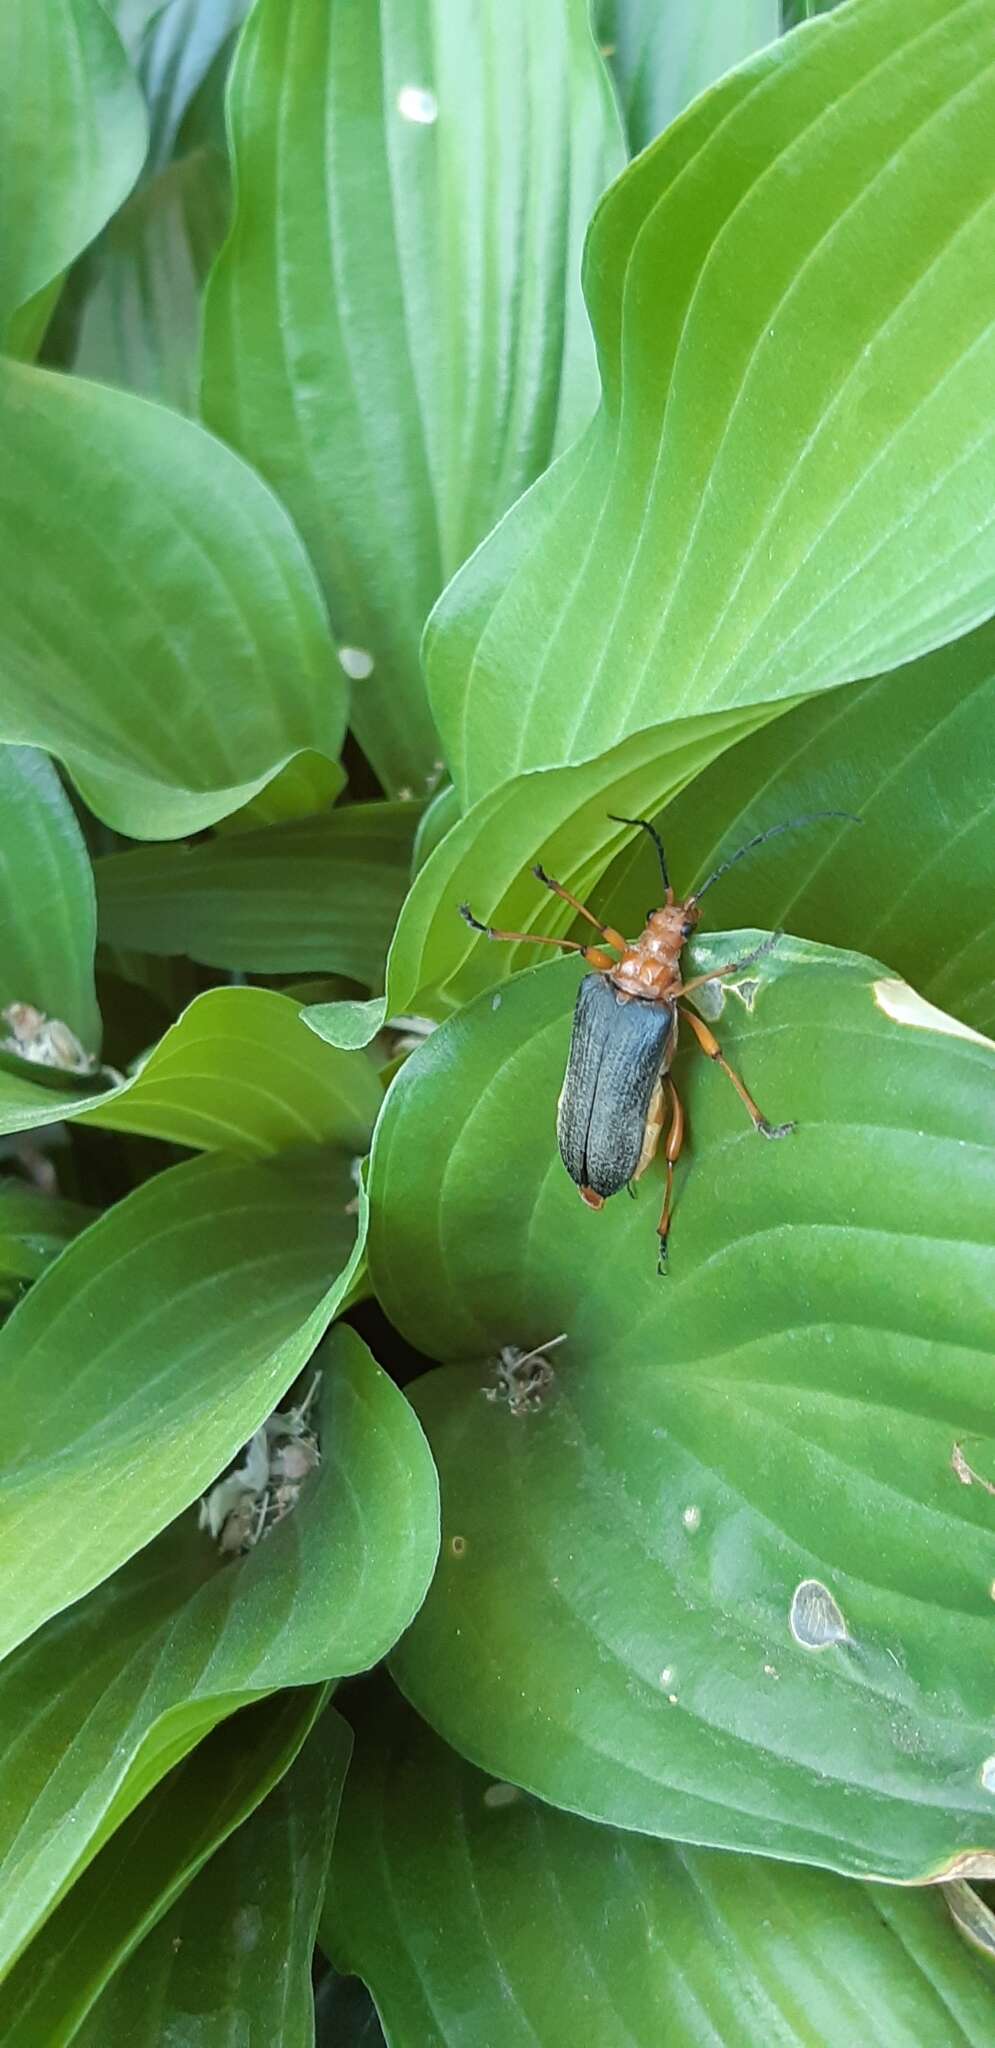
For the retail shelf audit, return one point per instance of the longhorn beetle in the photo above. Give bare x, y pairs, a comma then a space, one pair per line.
617, 1093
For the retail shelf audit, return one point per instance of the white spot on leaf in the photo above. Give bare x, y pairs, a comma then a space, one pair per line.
691, 1518
500, 1794
902, 1004
988, 1774
816, 1620
417, 103
357, 662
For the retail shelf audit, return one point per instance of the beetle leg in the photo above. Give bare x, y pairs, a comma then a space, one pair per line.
711, 1048
593, 954
614, 938
672, 1151
733, 966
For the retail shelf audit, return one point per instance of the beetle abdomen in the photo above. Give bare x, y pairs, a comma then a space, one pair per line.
618, 1051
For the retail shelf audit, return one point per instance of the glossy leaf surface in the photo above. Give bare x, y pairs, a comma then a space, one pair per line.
726, 1585
154, 1857
625, 1942
785, 487
233, 1956
413, 190
110, 1694
237, 1073
163, 633
154, 1347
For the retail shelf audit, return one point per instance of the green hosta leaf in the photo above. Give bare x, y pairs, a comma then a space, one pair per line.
237, 1073
47, 910
163, 632
115, 1690
73, 137
314, 895
216, 1279
794, 12
140, 324
448, 168
34, 1228
232, 1960
787, 485
435, 962
155, 1858
914, 754
624, 1942
619, 1619
181, 43
663, 53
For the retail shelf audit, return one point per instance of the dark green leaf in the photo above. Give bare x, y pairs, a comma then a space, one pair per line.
316, 894
400, 390
479, 1915
163, 633
47, 909
155, 1858
232, 1960
109, 1695
73, 137
34, 1228
619, 1619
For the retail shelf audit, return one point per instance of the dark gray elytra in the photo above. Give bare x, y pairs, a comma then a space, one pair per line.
618, 1050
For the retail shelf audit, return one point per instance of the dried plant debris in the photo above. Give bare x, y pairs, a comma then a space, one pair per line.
249, 1501
523, 1380
45, 1041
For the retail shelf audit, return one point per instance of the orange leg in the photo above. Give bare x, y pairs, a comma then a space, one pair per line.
733, 967
711, 1048
593, 954
614, 938
672, 1150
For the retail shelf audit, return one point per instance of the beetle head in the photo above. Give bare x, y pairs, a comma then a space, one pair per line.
672, 924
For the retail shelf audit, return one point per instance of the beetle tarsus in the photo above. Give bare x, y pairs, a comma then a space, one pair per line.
662, 1264
630, 1189
767, 1130
474, 922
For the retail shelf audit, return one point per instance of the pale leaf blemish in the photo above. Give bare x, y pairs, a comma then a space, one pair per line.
457, 1546
816, 1620
666, 1676
416, 103
357, 663
904, 1006
501, 1794
691, 1519
987, 1775
966, 1473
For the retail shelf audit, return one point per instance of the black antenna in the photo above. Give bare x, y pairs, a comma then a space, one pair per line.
654, 835
809, 818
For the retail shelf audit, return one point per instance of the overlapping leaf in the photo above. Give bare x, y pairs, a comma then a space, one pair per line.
477, 1914
237, 1073
180, 45
198, 1971
149, 1352
914, 755
108, 1696
34, 1228
412, 195
47, 910
663, 53
786, 485
153, 1859
727, 1585
73, 136
162, 631
314, 895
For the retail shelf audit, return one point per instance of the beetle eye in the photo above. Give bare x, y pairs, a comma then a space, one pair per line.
686, 930
651, 913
